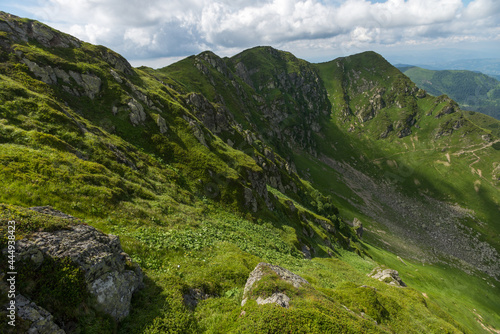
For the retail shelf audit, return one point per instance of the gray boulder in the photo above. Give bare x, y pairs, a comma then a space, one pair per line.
389, 276
279, 298
24, 30
358, 227
46, 74
89, 82
162, 124
137, 114
109, 272
41, 321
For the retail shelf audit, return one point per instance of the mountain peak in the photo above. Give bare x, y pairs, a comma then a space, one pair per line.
19, 31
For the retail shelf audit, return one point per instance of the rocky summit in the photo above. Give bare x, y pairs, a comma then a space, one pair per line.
257, 193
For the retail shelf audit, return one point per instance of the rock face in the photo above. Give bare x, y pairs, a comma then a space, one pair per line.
137, 114
90, 84
216, 120
162, 125
23, 30
389, 276
279, 298
110, 275
42, 322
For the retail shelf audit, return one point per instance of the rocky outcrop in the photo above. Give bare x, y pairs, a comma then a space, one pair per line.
40, 320
389, 276
46, 73
279, 298
109, 272
358, 227
162, 124
243, 73
117, 61
137, 114
215, 119
450, 108
259, 186
24, 30
306, 250
90, 84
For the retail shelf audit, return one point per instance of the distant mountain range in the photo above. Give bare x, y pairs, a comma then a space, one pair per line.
488, 66
472, 90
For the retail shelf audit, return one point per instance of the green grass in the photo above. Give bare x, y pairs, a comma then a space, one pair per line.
458, 293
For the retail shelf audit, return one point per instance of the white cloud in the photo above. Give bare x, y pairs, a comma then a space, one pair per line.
142, 29
481, 9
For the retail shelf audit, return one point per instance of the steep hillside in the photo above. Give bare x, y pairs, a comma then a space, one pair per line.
473, 91
210, 166
383, 153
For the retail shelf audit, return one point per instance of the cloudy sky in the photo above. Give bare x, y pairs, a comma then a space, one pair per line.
158, 32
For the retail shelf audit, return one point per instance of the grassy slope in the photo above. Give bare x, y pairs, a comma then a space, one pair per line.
145, 187
416, 159
360, 149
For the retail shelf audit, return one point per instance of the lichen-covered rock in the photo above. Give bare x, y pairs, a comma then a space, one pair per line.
24, 30
46, 73
109, 272
280, 298
277, 298
89, 82
41, 321
162, 125
116, 76
215, 119
137, 114
117, 61
389, 276
306, 250
61, 74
